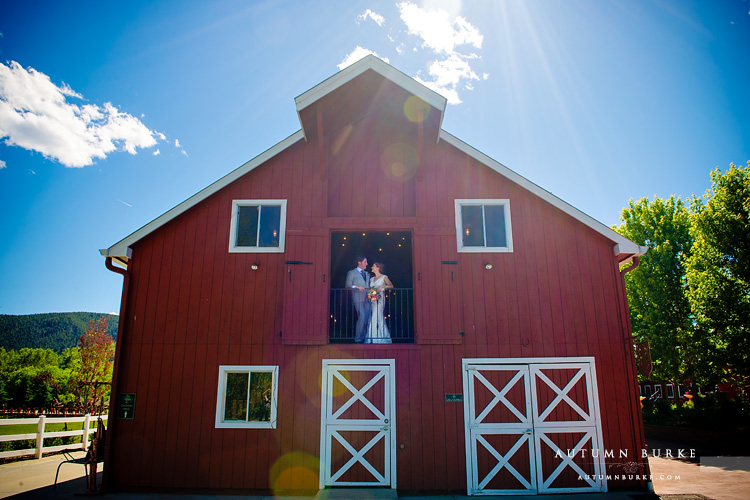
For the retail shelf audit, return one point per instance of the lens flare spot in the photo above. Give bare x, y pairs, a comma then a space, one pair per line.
399, 161
294, 471
398, 169
412, 108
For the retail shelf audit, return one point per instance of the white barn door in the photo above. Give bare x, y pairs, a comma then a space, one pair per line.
532, 426
358, 431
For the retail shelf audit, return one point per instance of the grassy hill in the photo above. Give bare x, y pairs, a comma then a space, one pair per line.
56, 331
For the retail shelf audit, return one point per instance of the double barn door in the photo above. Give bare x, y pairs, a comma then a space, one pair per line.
532, 426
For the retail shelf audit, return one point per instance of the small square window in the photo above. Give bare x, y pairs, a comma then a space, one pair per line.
247, 396
483, 226
257, 226
657, 391
648, 391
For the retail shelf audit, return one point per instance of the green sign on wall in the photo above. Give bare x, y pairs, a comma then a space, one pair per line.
126, 405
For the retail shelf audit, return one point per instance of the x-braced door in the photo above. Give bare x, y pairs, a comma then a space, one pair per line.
532, 426
358, 433
499, 444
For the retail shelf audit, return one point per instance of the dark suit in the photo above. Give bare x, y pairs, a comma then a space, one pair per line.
360, 301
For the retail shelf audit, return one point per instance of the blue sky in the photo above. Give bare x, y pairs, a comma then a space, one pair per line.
111, 113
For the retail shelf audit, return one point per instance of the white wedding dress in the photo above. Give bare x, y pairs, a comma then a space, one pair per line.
378, 332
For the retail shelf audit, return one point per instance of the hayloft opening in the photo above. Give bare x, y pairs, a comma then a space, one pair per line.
394, 250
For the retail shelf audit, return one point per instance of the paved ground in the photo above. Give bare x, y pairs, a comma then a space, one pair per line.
683, 479
718, 478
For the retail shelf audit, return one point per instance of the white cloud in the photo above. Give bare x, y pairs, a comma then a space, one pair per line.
184, 152
449, 72
436, 29
449, 93
35, 114
357, 54
442, 33
32, 172
156, 153
2, 164
177, 143
380, 20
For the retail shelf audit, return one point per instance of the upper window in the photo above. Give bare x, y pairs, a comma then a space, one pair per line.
257, 226
247, 396
483, 226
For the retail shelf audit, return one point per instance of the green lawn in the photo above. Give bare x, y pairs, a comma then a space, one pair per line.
7, 430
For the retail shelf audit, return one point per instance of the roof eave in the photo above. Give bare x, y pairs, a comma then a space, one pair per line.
121, 249
384, 69
622, 245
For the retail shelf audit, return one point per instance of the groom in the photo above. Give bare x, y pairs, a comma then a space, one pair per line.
358, 281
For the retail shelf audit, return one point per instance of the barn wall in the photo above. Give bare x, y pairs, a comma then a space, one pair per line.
192, 306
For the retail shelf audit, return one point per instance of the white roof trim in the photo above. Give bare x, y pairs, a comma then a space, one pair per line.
622, 244
121, 248
384, 69
122, 251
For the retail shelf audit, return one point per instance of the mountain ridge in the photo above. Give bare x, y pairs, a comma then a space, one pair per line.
56, 331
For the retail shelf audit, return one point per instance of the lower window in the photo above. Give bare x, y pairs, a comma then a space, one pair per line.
247, 396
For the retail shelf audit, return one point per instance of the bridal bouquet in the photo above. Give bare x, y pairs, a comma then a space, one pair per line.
373, 294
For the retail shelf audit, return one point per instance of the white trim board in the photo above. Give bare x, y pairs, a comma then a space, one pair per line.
384, 69
622, 244
120, 249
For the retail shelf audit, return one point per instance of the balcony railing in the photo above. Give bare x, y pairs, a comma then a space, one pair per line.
398, 315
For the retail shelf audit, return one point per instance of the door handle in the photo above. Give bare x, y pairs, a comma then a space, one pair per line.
385, 421
527, 431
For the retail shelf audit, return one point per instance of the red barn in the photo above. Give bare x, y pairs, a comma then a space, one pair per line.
508, 366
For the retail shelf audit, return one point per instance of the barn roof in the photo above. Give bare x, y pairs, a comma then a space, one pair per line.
624, 249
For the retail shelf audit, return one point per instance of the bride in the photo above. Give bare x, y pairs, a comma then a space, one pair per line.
378, 331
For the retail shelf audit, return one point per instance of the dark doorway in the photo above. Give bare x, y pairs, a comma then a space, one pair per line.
394, 250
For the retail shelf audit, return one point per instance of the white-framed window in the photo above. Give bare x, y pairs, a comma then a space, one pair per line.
647, 391
258, 226
670, 391
657, 391
681, 390
483, 226
247, 396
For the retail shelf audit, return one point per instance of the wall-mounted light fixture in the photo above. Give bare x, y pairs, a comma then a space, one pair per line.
254, 267
488, 266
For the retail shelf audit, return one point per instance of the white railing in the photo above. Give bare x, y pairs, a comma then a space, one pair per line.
40, 435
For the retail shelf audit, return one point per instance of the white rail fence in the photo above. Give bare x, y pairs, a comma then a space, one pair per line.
40, 435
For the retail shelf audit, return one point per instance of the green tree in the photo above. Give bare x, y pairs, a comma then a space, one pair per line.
718, 275
659, 308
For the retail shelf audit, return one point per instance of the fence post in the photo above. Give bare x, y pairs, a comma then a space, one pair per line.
40, 437
85, 439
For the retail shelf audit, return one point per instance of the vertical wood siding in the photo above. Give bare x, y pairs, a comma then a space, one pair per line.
192, 306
